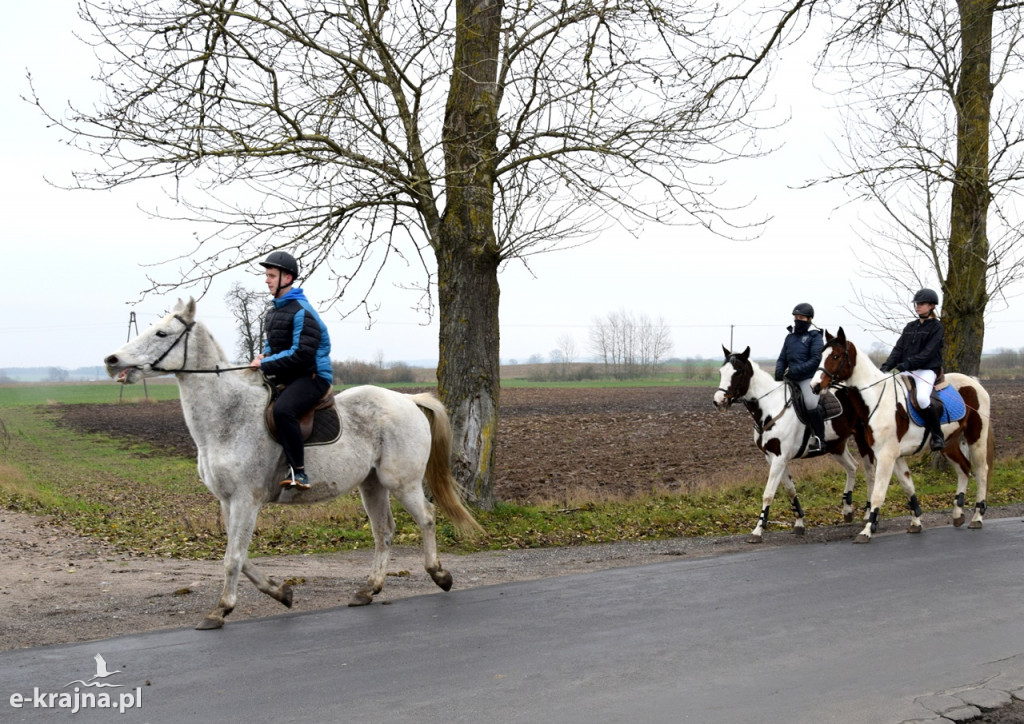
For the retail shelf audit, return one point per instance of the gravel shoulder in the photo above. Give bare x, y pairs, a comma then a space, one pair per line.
58, 587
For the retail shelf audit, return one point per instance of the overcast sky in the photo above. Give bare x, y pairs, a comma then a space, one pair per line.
75, 259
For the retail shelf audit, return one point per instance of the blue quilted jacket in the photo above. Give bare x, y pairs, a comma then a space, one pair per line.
297, 343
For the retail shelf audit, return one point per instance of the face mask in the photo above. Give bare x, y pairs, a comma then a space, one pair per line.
800, 326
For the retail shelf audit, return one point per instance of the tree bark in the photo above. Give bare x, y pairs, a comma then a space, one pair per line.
965, 290
467, 253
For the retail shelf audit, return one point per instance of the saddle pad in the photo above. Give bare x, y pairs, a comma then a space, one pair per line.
326, 427
954, 407
830, 405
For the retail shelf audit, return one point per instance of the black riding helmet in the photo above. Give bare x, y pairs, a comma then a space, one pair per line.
804, 309
926, 296
282, 260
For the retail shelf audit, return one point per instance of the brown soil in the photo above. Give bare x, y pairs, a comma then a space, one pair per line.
59, 587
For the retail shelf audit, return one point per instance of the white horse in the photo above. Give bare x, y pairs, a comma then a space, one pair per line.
880, 402
781, 436
389, 443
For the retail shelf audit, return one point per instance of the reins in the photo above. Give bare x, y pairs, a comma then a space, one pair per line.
185, 333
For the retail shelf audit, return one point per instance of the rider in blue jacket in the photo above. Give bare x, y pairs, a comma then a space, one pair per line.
296, 354
798, 361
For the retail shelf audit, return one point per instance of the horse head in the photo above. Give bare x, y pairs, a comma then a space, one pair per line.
159, 350
837, 362
735, 378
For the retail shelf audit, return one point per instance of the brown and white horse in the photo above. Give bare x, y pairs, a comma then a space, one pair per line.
780, 434
880, 402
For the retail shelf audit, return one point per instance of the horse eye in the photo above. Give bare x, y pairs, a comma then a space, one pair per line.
161, 334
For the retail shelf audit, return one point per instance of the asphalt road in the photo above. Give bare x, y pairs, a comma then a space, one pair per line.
815, 633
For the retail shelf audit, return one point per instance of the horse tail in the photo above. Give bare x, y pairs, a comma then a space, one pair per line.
439, 465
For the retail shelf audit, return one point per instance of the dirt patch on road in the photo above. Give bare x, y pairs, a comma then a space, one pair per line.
58, 587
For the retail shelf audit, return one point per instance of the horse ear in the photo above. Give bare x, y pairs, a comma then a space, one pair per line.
746, 354
828, 336
726, 352
189, 311
841, 336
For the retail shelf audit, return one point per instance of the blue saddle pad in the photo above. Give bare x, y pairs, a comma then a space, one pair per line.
954, 405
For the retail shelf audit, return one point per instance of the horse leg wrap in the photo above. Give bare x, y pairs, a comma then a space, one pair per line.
873, 520
914, 506
764, 516
795, 505
981, 507
959, 500
848, 498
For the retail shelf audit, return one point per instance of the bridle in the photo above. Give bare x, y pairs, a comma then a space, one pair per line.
835, 378
184, 335
731, 395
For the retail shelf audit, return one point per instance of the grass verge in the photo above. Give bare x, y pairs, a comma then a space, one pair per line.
154, 504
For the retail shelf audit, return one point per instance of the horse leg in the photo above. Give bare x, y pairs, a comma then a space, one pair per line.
278, 591
240, 520
382, 523
794, 503
963, 468
850, 466
777, 468
883, 472
422, 512
981, 461
902, 473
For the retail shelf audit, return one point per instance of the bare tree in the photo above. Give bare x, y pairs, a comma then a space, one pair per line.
448, 137
566, 352
630, 346
249, 309
924, 76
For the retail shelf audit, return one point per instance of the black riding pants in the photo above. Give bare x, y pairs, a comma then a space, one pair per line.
296, 399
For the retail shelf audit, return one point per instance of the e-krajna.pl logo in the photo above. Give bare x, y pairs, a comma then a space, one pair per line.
78, 699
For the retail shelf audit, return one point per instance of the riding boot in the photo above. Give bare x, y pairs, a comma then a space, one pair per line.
933, 428
816, 420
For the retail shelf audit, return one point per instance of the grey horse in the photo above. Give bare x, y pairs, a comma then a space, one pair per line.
390, 444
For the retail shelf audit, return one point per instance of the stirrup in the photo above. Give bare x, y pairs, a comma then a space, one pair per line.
815, 444
297, 480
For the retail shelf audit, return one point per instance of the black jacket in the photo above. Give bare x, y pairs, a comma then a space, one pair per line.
918, 348
801, 353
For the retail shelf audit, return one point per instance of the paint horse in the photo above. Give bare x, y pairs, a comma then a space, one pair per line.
880, 401
780, 435
390, 444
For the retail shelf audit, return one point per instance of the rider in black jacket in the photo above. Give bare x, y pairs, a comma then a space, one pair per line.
918, 353
798, 361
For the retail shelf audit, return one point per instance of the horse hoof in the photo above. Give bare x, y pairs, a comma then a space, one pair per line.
754, 539
210, 623
799, 530
916, 528
847, 517
443, 579
286, 595
862, 539
975, 525
958, 521
360, 598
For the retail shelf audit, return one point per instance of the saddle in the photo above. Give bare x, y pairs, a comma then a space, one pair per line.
828, 403
320, 426
945, 399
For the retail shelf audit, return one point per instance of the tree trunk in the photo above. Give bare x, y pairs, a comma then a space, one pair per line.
467, 253
965, 291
